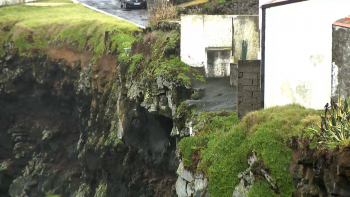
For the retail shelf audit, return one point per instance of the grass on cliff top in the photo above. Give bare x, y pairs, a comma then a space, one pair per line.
223, 145
33, 28
162, 60
54, 1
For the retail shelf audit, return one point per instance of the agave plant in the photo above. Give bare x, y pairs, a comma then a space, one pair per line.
335, 122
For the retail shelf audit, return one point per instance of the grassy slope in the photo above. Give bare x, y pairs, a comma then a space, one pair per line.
224, 143
33, 28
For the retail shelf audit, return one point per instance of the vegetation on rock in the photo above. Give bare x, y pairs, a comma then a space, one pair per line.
161, 61
221, 147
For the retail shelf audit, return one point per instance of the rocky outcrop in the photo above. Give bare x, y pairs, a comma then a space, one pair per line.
191, 184
74, 128
321, 173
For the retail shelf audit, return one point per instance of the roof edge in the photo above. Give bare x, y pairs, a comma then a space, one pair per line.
341, 24
281, 3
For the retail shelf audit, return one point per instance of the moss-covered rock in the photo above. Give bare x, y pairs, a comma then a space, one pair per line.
222, 146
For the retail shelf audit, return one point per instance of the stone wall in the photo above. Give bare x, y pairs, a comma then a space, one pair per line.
248, 89
341, 62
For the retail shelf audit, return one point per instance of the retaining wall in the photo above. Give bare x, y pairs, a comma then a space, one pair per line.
248, 89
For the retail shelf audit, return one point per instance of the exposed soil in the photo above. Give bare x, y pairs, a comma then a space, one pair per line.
69, 54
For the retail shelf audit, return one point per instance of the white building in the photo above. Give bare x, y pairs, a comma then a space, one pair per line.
206, 41
296, 50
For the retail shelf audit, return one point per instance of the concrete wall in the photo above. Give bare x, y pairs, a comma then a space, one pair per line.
298, 52
218, 62
234, 75
200, 32
341, 62
248, 89
13, 2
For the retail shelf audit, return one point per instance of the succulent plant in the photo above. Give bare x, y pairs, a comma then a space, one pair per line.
335, 125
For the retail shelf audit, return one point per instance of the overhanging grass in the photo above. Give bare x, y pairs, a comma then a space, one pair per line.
224, 151
32, 28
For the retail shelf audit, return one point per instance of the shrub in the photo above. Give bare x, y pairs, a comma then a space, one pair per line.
161, 10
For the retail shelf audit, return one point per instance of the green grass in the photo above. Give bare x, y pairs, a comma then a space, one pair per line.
33, 28
160, 63
261, 189
54, 1
223, 145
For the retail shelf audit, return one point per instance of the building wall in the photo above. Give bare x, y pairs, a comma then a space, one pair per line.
298, 52
341, 62
248, 89
199, 32
218, 63
13, 2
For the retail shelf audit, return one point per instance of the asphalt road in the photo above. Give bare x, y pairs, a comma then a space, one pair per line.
135, 15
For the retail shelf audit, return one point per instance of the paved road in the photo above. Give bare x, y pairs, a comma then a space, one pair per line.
137, 16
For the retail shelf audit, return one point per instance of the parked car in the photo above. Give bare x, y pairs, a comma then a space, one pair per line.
133, 4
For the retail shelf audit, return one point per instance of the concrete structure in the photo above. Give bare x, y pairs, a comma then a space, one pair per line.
234, 75
206, 41
13, 2
296, 51
341, 58
248, 89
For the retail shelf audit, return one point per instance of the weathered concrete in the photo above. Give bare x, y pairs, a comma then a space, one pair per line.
218, 62
202, 32
248, 90
341, 62
234, 74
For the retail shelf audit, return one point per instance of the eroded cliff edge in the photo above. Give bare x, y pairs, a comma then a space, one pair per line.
71, 126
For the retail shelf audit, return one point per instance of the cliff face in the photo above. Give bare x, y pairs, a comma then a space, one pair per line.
70, 127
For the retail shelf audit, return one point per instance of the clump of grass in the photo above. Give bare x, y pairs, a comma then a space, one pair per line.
220, 1
261, 188
161, 10
214, 121
160, 63
134, 60
32, 29
207, 5
223, 148
101, 190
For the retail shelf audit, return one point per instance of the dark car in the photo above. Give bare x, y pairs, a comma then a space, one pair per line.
133, 4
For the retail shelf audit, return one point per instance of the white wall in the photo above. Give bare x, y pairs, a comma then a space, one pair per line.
13, 2
199, 32
298, 52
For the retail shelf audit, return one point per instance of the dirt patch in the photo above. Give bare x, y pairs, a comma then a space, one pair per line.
69, 54
105, 70
142, 48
